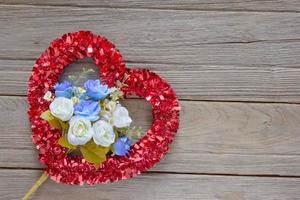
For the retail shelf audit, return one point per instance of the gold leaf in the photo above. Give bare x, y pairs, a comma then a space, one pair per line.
47, 115
112, 149
62, 141
93, 153
51, 119
64, 126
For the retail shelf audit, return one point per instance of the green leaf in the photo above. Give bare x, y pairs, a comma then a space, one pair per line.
64, 126
93, 153
62, 141
121, 131
134, 133
116, 95
112, 149
47, 115
85, 71
72, 77
54, 122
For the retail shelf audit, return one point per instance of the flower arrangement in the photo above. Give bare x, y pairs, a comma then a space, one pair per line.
66, 118
91, 119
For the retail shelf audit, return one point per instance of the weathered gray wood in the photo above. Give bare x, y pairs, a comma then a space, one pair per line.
197, 82
185, 37
223, 5
14, 183
231, 56
208, 50
229, 138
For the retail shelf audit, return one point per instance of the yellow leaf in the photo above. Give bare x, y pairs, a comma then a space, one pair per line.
92, 145
47, 115
112, 149
51, 119
62, 141
93, 153
64, 126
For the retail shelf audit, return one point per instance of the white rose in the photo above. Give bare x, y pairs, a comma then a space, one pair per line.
80, 131
62, 108
103, 133
107, 117
120, 117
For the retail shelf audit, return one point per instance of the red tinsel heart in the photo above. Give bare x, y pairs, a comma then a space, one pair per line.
144, 83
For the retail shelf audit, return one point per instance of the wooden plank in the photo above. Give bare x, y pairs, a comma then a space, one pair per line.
14, 183
231, 56
223, 5
222, 138
197, 82
160, 36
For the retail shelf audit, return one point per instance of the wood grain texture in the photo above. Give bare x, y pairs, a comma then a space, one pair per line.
196, 82
211, 50
160, 36
226, 138
222, 5
221, 56
14, 184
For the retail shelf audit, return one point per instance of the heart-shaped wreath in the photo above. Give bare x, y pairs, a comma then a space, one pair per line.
43, 81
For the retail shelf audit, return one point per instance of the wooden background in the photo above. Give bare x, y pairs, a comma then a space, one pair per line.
234, 64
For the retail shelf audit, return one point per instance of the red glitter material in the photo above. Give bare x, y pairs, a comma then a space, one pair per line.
144, 83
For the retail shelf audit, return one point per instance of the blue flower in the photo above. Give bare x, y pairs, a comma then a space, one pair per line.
64, 89
87, 109
95, 90
122, 146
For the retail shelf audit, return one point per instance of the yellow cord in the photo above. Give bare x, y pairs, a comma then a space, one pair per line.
36, 185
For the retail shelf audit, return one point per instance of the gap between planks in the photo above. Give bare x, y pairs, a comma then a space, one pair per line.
187, 99
191, 9
180, 173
